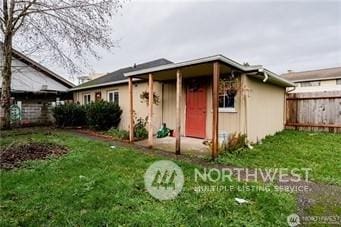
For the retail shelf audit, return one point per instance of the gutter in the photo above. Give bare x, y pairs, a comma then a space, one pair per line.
102, 85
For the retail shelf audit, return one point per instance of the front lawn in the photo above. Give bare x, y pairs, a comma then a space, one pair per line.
96, 185
293, 149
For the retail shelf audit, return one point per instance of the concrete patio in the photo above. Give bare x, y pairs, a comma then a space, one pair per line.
189, 146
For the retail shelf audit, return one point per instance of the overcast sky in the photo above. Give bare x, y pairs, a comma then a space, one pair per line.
281, 35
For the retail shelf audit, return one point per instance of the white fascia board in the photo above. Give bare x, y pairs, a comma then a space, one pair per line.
192, 62
102, 84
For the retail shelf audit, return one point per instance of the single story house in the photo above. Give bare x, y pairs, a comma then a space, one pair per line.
34, 90
203, 98
320, 80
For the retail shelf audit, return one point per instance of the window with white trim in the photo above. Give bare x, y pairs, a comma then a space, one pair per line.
338, 81
227, 100
86, 99
113, 96
228, 87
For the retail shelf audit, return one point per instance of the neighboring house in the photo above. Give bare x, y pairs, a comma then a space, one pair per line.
315, 80
251, 98
34, 90
91, 76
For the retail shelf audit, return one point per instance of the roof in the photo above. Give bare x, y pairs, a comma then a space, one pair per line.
221, 58
20, 56
118, 77
311, 75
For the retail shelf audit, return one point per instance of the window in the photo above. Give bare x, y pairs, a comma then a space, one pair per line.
228, 87
113, 96
86, 99
310, 84
226, 100
338, 81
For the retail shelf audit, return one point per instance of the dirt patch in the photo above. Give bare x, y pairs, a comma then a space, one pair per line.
14, 155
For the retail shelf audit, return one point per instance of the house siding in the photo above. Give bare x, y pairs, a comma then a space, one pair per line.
264, 109
141, 109
259, 107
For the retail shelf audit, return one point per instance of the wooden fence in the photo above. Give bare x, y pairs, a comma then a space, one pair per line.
314, 111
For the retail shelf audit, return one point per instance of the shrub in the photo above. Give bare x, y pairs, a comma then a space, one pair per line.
140, 131
118, 134
102, 115
70, 114
234, 143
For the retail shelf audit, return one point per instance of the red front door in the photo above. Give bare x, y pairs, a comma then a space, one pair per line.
196, 109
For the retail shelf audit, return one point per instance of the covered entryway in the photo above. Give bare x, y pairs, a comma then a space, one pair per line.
196, 108
194, 116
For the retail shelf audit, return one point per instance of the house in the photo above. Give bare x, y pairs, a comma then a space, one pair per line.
34, 90
205, 98
88, 77
320, 80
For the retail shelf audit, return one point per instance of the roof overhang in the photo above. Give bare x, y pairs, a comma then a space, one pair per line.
102, 85
203, 66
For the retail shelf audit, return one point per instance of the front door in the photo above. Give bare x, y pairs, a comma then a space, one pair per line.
196, 109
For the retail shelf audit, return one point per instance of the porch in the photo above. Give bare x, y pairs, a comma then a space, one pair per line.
189, 146
190, 114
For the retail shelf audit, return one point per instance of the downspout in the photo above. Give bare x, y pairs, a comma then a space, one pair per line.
266, 77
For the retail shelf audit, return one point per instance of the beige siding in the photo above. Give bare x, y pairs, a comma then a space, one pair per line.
325, 85
259, 109
141, 109
169, 106
229, 122
265, 109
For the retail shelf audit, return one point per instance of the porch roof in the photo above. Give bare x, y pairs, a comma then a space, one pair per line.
203, 67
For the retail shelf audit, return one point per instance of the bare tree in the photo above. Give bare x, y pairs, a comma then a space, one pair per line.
70, 31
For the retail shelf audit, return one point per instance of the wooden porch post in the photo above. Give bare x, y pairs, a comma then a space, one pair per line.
178, 110
215, 87
150, 111
131, 110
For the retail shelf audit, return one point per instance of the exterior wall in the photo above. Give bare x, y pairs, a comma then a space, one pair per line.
264, 109
325, 85
36, 113
259, 107
229, 122
141, 109
26, 78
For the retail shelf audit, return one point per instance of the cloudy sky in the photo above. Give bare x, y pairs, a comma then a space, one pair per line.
281, 35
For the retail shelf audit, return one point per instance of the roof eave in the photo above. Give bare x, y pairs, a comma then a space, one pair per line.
220, 58
102, 85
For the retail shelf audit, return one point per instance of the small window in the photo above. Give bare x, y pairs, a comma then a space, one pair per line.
226, 100
87, 99
113, 96
338, 81
311, 84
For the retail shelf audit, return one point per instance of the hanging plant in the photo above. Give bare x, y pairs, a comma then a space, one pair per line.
144, 96
229, 86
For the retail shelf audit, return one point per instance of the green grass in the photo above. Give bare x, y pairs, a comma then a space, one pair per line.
95, 185
293, 149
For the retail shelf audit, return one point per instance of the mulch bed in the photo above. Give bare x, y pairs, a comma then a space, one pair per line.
13, 156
